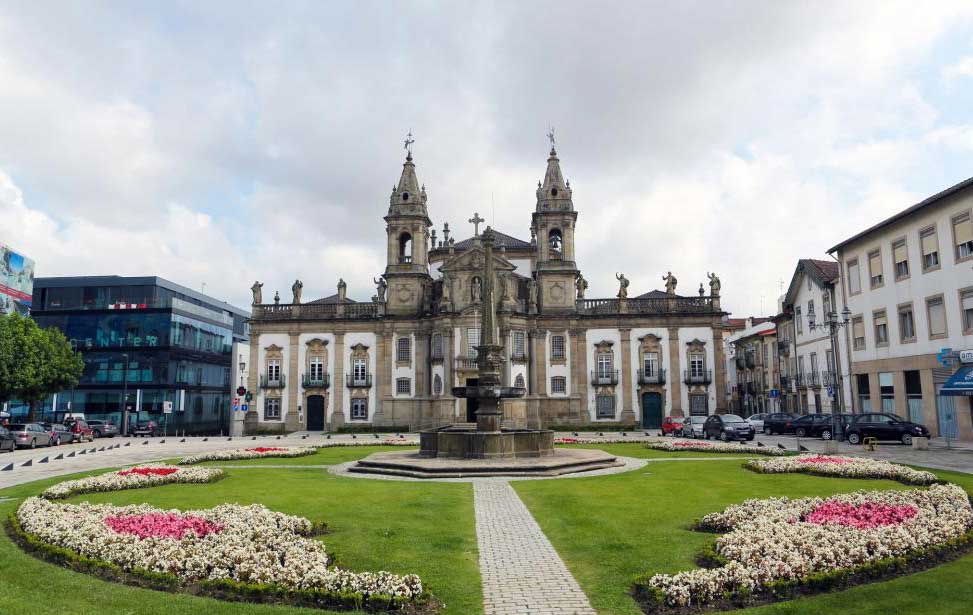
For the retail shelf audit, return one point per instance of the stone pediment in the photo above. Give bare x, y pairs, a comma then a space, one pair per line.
472, 260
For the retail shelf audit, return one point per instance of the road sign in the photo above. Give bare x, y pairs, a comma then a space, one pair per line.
243, 407
241, 390
966, 356
774, 393
944, 356
167, 407
236, 405
248, 396
830, 391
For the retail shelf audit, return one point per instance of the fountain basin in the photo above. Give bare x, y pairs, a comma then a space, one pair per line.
465, 442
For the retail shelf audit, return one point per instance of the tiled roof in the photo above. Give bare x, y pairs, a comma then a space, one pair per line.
511, 243
655, 294
828, 270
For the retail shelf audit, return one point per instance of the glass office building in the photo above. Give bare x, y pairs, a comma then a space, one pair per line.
159, 345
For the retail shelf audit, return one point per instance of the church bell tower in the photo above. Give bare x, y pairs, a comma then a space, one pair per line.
553, 223
408, 224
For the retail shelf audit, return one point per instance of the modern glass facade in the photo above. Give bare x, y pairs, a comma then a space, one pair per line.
146, 340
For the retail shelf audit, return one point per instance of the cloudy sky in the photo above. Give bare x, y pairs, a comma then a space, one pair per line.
220, 142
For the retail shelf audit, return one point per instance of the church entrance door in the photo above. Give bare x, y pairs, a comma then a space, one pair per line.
651, 410
315, 413
472, 404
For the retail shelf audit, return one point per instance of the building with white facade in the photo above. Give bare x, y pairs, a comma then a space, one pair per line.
393, 361
908, 282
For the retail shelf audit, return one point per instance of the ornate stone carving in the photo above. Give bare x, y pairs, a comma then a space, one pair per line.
258, 294
714, 284
581, 285
671, 282
297, 288
381, 286
622, 285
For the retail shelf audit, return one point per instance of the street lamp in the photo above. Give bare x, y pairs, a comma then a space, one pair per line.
125, 396
832, 324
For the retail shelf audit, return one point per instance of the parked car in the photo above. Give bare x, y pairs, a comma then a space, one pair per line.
672, 426
757, 421
812, 426
30, 435
59, 433
80, 430
7, 441
884, 426
728, 427
692, 427
103, 429
778, 422
147, 429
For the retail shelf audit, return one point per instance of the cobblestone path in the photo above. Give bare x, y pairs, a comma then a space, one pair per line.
522, 573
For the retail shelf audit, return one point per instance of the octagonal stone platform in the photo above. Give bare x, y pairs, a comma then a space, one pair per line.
412, 464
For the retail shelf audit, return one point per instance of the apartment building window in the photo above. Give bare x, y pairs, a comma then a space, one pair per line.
273, 370
650, 363
403, 386
913, 395
810, 309
963, 236
826, 303
798, 320
900, 259
605, 364
359, 409
697, 364
875, 276
403, 350
881, 328
359, 370
814, 365
966, 307
559, 384
858, 332
936, 311
766, 362
437, 346
864, 393
557, 347
854, 277
929, 243
698, 405
605, 406
887, 390
829, 360
317, 368
272, 409
472, 341
800, 367
907, 324
519, 346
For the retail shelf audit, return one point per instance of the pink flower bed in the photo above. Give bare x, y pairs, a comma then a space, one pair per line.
824, 459
863, 516
149, 471
691, 444
162, 525
266, 449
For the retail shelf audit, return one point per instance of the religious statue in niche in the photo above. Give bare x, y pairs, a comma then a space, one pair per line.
258, 293
445, 304
670, 281
622, 285
532, 294
581, 285
297, 288
381, 286
714, 284
476, 289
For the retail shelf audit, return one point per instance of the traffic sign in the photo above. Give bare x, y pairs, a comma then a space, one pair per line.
241, 390
243, 407
774, 393
830, 391
167, 407
236, 405
248, 396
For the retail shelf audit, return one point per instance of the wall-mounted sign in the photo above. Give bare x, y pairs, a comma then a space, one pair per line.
966, 356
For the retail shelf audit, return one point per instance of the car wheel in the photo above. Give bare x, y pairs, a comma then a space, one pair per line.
854, 438
768, 431
907, 439
723, 436
33, 443
96, 434
800, 432
826, 434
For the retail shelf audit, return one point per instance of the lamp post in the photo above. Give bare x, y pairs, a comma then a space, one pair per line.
125, 396
832, 324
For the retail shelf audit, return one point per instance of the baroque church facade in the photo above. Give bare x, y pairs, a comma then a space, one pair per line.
393, 361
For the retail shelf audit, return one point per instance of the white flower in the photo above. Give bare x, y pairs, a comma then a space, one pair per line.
683, 446
144, 475
844, 467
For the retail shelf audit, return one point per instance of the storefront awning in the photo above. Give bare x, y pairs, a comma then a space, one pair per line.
960, 383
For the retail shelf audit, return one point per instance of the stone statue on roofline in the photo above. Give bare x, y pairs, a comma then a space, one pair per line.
258, 293
381, 287
671, 282
297, 288
581, 285
622, 285
276, 297
445, 302
714, 284
532, 294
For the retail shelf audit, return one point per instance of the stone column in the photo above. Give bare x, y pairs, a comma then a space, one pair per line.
901, 403
293, 422
383, 366
505, 342
449, 357
338, 386
719, 371
539, 350
628, 413
382, 350
875, 392
421, 357
579, 358
252, 417
675, 373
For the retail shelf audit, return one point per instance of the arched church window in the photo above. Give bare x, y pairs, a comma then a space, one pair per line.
405, 248
437, 385
555, 241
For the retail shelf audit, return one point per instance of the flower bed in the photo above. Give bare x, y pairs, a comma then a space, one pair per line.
258, 452
843, 467
604, 440
248, 550
777, 544
132, 478
713, 447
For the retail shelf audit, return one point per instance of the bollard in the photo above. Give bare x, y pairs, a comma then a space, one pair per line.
44, 460
59, 456
27, 463
8, 468
71, 454
920, 444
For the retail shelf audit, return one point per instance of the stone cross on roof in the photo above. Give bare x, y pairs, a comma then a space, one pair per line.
408, 143
476, 220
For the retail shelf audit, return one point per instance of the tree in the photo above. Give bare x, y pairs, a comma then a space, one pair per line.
35, 362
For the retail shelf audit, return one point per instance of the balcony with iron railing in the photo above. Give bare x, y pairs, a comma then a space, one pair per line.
275, 382
320, 381
827, 379
466, 364
358, 381
785, 383
697, 376
656, 376
604, 377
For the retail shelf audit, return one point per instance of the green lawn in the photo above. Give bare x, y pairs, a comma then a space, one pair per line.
609, 529
323, 456
403, 527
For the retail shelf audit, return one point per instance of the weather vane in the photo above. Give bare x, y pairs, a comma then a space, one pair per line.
550, 136
408, 143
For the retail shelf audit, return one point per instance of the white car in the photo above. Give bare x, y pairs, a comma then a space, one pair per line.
757, 421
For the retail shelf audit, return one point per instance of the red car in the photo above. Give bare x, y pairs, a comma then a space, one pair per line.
80, 430
672, 426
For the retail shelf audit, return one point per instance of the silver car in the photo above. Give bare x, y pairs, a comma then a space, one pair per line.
692, 426
757, 422
30, 435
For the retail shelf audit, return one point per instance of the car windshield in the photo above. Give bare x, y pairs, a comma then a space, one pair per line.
18, 427
732, 418
698, 419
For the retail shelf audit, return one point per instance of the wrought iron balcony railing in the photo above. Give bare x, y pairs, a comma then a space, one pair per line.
277, 382
358, 381
321, 381
697, 376
604, 377
656, 376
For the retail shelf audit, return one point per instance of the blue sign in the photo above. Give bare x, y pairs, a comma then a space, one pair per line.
236, 406
830, 391
774, 393
244, 408
944, 356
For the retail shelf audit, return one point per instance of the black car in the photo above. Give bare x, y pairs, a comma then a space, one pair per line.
728, 427
813, 426
883, 426
7, 441
779, 422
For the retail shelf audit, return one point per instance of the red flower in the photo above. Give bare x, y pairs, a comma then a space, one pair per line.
691, 444
824, 459
162, 525
149, 471
266, 449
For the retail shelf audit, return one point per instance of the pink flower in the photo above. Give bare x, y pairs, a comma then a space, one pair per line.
824, 459
691, 444
162, 525
864, 516
149, 471
266, 449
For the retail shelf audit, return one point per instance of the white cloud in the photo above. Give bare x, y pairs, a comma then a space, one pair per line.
963, 68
